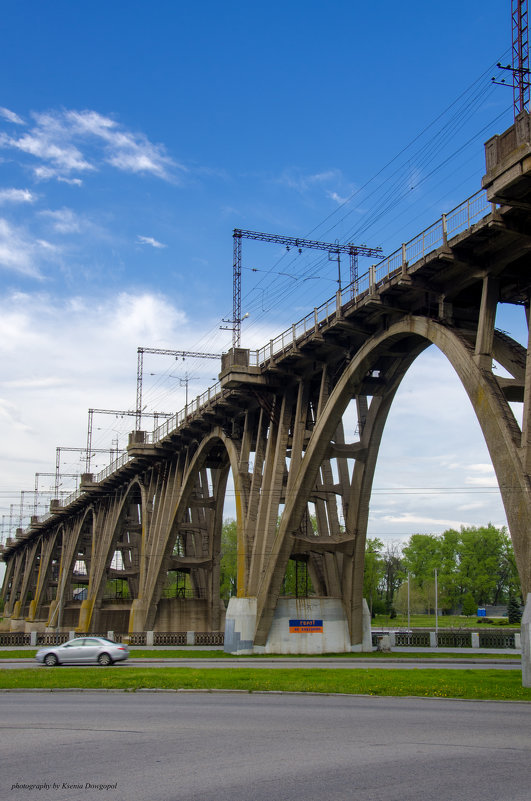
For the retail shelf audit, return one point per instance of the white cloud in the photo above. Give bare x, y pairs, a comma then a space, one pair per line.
10, 415
66, 142
408, 517
148, 240
19, 253
65, 221
16, 196
71, 181
467, 507
481, 481
62, 356
50, 143
296, 179
10, 116
481, 468
338, 199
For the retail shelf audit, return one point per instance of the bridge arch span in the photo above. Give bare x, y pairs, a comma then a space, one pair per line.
390, 353
185, 536
114, 573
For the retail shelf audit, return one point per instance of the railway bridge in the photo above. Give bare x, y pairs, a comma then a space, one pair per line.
298, 424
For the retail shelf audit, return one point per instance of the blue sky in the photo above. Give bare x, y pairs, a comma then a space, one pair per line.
134, 137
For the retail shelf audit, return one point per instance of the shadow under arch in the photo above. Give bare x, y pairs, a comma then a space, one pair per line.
393, 351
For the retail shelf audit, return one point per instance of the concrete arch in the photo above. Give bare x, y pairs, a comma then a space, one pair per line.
197, 462
500, 430
127, 491
63, 610
108, 522
173, 503
45, 572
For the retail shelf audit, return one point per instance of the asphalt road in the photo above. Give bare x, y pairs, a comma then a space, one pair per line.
286, 662
149, 746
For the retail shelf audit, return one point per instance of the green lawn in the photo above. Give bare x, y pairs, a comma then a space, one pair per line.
465, 653
470, 684
443, 621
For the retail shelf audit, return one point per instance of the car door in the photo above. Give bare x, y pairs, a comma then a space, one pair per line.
71, 651
91, 649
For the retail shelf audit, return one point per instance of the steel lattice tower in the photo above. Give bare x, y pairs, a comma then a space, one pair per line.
520, 55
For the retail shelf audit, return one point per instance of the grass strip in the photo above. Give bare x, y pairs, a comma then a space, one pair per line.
161, 653
468, 654
443, 622
466, 684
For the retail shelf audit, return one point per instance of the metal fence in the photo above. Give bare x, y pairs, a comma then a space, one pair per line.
413, 639
455, 639
209, 638
496, 639
416, 639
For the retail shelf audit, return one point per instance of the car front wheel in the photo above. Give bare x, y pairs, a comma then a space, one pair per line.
50, 660
104, 660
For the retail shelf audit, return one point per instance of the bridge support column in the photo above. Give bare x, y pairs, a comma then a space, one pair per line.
487, 316
32, 610
326, 616
142, 615
16, 623
52, 615
85, 615
240, 622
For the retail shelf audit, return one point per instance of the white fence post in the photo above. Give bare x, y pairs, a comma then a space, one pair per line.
372, 279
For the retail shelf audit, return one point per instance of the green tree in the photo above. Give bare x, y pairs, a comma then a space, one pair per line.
417, 603
480, 558
508, 583
473, 560
297, 581
393, 572
374, 571
421, 556
229, 560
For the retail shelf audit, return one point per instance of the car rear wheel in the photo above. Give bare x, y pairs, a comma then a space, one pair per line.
104, 660
50, 660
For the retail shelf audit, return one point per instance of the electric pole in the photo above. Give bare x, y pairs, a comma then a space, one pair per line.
519, 67
334, 250
178, 354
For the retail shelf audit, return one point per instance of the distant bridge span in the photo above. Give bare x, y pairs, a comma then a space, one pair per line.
151, 522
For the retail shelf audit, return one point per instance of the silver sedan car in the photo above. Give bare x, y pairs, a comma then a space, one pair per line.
91, 650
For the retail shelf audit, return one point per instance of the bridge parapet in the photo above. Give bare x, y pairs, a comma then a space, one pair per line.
508, 164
